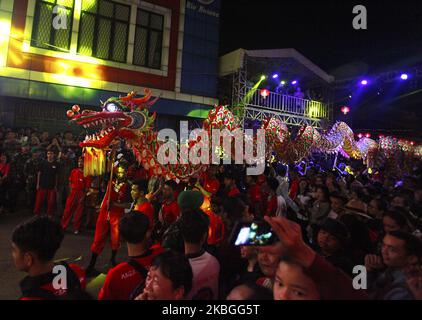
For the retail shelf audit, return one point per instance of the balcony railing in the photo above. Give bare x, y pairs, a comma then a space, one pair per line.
288, 104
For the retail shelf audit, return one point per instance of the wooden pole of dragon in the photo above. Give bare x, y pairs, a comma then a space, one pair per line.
110, 182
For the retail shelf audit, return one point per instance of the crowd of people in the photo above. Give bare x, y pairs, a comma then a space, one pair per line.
179, 235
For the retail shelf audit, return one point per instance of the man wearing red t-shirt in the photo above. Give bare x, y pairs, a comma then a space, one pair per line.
141, 204
122, 280
231, 190
254, 193
115, 200
34, 245
170, 210
79, 184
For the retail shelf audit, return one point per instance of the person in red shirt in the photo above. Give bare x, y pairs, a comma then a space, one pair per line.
231, 190
141, 204
294, 186
170, 210
78, 184
34, 245
122, 280
115, 200
4, 175
254, 193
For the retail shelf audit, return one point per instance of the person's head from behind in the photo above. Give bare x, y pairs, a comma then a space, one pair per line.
332, 236
169, 278
169, 189
134, 228
268, 262
292, 283
394, 221
401, 249
35, 242
249, 291
190, 200
249, 252
337, 201
139, 190
50, 155
194, 227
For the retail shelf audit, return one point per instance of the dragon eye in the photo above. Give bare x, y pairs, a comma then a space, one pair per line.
111, 107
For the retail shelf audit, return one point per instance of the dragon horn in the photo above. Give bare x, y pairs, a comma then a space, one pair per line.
139, 101
129, 97
149, 104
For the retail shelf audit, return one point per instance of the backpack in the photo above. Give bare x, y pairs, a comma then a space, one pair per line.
143, 272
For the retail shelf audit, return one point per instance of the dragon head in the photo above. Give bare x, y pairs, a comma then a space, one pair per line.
121, 117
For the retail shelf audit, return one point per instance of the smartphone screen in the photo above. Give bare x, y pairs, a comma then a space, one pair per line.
252, 234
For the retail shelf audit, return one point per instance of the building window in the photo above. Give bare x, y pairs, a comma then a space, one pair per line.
148, 39
44, 33
104, 30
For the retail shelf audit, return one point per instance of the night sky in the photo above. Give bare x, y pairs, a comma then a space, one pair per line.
323, 32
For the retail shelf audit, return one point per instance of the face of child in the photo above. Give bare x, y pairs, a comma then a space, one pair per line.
21, 260
291, 283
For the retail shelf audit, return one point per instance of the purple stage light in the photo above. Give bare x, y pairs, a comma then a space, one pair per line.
404, 76
275, 76
364, 82
294, 82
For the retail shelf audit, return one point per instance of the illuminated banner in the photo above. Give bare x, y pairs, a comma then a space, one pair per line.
207, 7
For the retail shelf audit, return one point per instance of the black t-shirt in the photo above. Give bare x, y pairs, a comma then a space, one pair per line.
48, 175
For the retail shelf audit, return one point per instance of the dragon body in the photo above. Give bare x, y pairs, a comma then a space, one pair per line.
129, 118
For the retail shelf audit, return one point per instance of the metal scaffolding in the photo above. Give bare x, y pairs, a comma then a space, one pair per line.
291, 110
